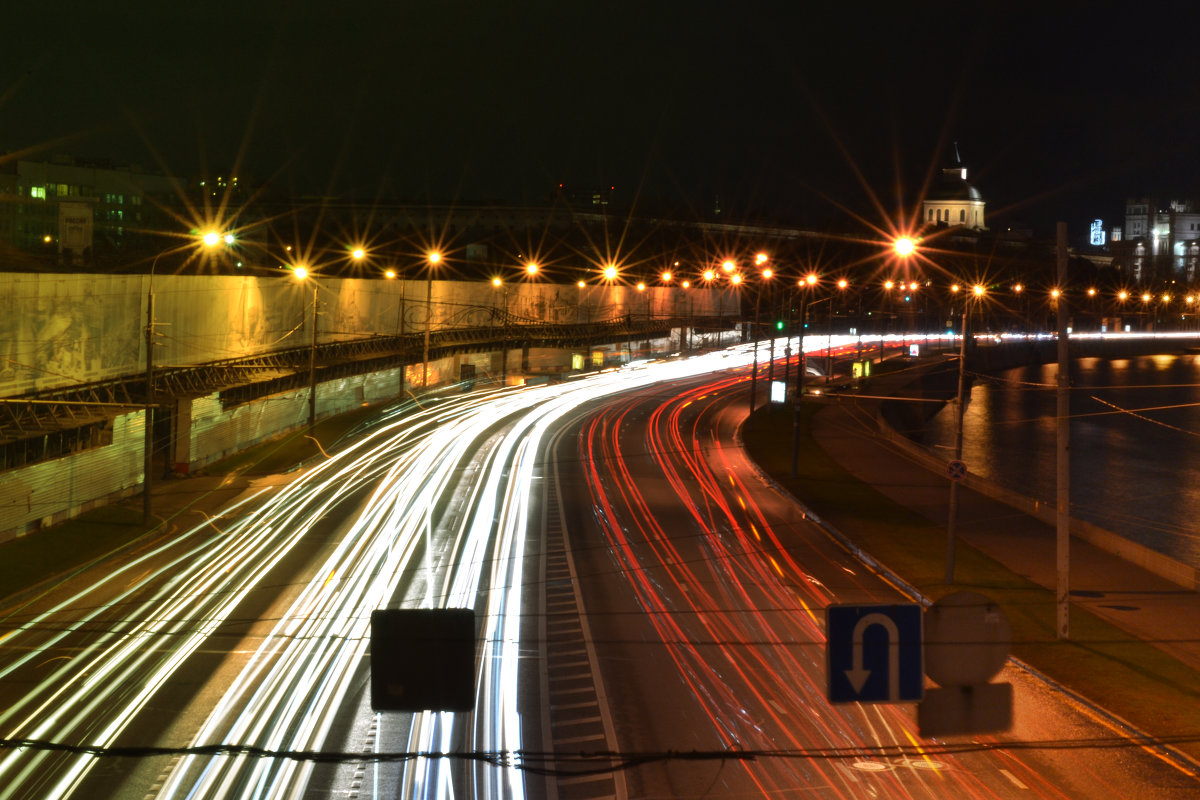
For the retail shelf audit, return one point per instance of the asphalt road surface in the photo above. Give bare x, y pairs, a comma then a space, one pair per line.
649, 616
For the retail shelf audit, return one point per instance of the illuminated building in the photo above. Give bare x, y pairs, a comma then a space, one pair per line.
953, 202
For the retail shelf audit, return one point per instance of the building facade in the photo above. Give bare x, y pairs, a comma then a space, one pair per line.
1161, 241
66, 211
952, 201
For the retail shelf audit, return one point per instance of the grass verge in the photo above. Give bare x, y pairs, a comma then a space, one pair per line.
1131, 678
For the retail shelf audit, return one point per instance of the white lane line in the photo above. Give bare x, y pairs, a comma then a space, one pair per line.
1016, 781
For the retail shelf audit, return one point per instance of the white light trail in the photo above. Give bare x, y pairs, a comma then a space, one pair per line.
289, 691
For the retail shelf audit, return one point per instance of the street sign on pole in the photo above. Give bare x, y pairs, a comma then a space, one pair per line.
778, 391
956, 470
873, 653
967, 640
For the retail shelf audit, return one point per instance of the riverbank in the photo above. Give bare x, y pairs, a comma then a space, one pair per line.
882, 503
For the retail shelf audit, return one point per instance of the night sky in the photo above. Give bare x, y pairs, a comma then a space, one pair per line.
1061, 110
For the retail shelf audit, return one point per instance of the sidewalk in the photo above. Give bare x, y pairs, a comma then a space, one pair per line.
1146, 606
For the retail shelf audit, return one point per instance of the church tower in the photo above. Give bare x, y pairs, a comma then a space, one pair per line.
952, 201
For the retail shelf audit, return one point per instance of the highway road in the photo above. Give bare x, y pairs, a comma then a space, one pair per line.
229, 660
638, 589
704, 589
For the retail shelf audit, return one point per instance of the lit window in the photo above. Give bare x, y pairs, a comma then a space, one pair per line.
38, 191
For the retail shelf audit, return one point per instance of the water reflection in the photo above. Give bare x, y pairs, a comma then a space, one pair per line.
1135, 443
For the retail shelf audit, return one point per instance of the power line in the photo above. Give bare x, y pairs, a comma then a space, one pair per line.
607, 761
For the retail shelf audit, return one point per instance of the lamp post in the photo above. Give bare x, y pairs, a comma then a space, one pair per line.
497, 283
842, 285
147, 471
828, 334
610, 274
1018, 292
977, 292
760, 259
210, 239
688, 331
807, 283
392, 274
735, 280
302, 273
708, 276
904, 247
728, 267
433, 259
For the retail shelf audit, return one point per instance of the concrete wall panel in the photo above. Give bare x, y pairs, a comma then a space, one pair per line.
60, 330
52, 491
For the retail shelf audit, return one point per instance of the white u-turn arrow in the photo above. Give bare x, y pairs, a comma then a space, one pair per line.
858, 676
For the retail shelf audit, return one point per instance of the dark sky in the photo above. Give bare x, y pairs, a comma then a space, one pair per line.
1060, 109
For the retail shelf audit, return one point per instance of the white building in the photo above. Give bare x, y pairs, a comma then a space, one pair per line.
953, 202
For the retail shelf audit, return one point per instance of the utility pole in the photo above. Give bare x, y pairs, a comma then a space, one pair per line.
312, 366
952, 516
432, 260
1063, 437
800, 370
148, 457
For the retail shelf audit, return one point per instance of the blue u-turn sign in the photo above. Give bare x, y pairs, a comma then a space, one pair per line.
873, 653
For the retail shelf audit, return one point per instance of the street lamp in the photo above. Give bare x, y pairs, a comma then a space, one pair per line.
806, 284
689, 327
497, 283
209, 239
755, 325
302, 273
432, 260
610, 274
391, 274
1018, 290
977, 293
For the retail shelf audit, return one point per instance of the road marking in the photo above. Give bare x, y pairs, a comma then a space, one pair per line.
1013, 778
857, 675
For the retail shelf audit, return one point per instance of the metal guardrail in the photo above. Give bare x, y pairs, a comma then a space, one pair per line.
244, 379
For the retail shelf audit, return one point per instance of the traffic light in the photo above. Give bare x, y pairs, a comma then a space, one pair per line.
779, 324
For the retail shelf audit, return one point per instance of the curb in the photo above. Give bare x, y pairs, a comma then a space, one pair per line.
1178, 759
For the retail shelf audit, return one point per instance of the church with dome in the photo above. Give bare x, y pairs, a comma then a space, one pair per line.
953, 202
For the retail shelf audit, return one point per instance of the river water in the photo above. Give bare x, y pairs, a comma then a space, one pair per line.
1135, 443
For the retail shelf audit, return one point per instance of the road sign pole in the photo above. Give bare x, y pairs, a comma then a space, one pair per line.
958, 444
1063, 450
